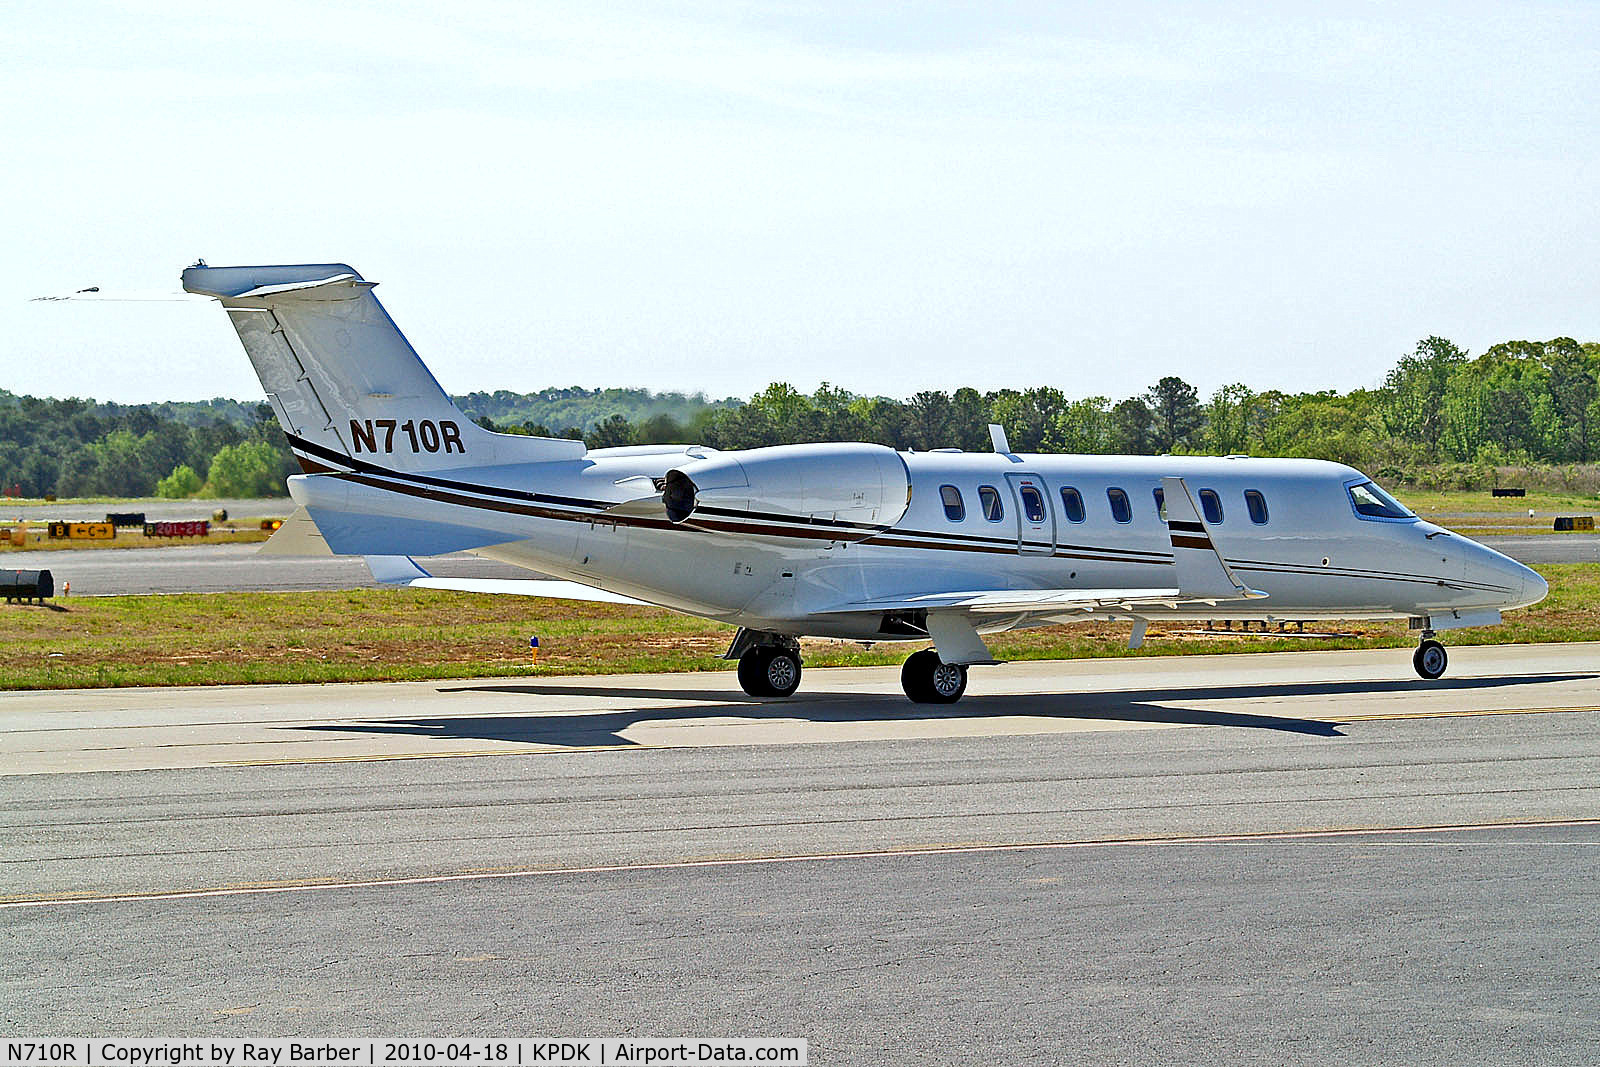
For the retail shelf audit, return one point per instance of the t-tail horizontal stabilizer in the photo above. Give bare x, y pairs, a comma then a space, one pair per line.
346, 385
1202, 573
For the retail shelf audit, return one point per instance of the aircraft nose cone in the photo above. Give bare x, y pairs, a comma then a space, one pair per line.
1516, 586
1534, 587
1531, 588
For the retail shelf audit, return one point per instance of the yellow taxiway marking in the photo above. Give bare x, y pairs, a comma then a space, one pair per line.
315, 884
540, 749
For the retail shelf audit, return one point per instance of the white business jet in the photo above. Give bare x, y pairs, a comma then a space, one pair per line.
853, 541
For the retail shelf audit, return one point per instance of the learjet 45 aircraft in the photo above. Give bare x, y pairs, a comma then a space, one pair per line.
854, 541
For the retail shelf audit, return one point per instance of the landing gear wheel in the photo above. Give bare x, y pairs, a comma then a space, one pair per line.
769, 672
1430, 659
751, 670
928, 680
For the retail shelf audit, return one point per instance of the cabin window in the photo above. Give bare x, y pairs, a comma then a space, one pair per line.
1032, 503
1371, 502
1161, 504
1256, 505
989, 501
1072, 504
1211, 505
955, 509
1121, 510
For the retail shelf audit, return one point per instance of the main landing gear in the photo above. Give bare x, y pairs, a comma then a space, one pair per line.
773, 670
929, 680
1430, 659
770, 670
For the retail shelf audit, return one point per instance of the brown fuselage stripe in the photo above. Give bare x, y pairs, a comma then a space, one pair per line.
311, 466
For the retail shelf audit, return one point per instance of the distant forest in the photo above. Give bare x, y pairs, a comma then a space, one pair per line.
576, 411
1440, 418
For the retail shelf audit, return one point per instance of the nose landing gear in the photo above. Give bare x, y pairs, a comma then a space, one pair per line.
1430, 659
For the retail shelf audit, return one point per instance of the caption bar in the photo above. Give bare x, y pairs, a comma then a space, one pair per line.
457, 1052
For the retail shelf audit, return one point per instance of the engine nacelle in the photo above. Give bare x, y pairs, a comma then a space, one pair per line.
847, 483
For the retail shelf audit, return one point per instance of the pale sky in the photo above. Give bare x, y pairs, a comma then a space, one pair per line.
712, 196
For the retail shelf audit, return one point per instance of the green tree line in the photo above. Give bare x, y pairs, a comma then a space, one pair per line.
584, 409
1439, 414
75, 448
1519, 403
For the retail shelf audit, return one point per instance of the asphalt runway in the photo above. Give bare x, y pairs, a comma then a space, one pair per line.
1548, 548
1296, 858
225, 569
241, 568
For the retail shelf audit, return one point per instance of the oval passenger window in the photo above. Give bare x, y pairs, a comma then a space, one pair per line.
1072, 504
955, 509
1121, 510
1032, 504
989, 501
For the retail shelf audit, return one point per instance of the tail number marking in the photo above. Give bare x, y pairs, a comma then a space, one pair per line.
423, 435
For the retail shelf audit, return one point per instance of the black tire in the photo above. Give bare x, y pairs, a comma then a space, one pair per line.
1430, 659
753, 673
781, 672
914, 675
769, 672
928, 680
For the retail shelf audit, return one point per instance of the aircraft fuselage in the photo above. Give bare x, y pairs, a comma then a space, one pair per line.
777, 554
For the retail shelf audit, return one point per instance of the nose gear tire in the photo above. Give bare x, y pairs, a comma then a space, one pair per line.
1430, 659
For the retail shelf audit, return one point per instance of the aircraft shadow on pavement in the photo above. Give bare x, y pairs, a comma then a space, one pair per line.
607, 728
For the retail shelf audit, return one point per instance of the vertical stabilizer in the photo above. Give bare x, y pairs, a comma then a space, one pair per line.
344, 381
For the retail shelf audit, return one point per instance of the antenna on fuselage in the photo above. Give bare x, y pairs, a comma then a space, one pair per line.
997, 437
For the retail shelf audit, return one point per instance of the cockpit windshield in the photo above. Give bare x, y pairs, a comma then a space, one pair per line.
1371, 502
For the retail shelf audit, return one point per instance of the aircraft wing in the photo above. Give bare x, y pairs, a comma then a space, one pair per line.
1011, 601
953, 619
403, 571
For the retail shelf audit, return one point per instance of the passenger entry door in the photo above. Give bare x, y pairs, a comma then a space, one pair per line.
1036, 522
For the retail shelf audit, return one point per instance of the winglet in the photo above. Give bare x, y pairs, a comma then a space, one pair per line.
1202, 573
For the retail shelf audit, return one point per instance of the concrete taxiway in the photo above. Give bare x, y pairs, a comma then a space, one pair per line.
1293, 858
